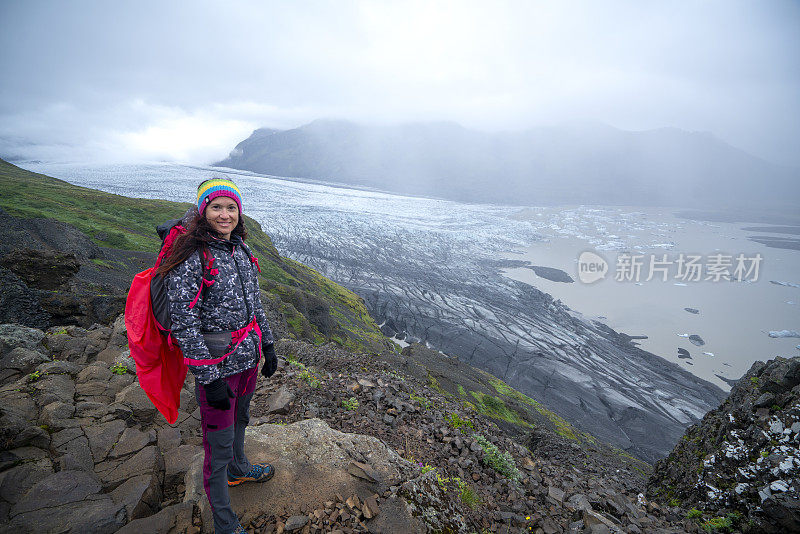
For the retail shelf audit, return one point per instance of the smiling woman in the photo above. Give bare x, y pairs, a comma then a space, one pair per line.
219, 323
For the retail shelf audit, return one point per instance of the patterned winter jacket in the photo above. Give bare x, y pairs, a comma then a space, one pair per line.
229, 304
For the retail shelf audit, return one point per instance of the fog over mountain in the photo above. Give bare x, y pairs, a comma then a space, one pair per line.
144, 81
580, 162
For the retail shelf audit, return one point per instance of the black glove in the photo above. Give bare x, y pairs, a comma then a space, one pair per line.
218, 394
270, 360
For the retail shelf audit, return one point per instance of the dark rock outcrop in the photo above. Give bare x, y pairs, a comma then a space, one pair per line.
54, 274
41, 269
40, 289
744, 457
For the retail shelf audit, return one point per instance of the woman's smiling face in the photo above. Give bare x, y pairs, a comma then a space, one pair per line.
223, 215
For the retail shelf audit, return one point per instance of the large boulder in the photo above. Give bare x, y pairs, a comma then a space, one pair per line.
18, 426
278, 402
73, 449
140, 495
132, 440
177, 462
103, 436
14, 335
19, 361
134, 397
54, 388
147, 461
313, 463
117, 344
15, 482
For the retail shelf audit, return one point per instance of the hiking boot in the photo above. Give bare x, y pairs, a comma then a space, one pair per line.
258, 473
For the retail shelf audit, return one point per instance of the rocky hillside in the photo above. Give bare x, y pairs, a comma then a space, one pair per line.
362, 442
740, 466
364, 438
68, 254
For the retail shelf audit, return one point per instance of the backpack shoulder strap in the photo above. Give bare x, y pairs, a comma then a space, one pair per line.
207, 274
168, 232
250, 255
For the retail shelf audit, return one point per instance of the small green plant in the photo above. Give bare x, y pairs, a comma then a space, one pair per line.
422, 401
467, 494
34, 376
425, 468
754, 380
442, 481
455, 421
59, 332
396, 375
694, 513
119, 369
310, 379
674, 502
502, 462
718, 524
764, 454
775, 408
735, 518
462, 391
350, 404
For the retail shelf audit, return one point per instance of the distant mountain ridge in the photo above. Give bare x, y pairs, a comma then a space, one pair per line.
580, 163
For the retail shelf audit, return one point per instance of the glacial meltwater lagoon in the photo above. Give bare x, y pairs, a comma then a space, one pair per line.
732, 318
316, 223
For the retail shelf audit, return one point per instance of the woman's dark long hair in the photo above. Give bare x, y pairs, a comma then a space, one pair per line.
199, 234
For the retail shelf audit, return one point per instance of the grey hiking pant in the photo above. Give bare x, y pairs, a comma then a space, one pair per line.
223, 443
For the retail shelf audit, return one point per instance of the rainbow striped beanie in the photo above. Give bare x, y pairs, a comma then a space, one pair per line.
217, 187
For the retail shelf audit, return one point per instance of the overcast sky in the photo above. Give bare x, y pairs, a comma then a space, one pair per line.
185, 81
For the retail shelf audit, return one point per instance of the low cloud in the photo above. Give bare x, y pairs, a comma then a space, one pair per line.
185, 81
138, 131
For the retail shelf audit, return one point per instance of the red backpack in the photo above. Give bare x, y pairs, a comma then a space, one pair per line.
159, 361
160, 366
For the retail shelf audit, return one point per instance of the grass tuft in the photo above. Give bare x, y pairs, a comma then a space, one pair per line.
350, 404
455, 421
502, 462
